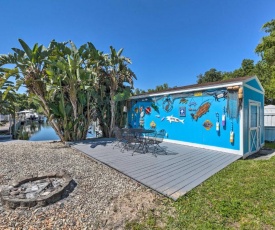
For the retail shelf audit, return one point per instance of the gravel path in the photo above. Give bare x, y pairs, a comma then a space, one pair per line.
102, 199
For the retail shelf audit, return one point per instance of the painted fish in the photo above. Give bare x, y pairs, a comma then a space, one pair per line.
136, 110
153, 125
207, 124
183, 101
203, 109
148, 110
162, 119
158, 116
174, 119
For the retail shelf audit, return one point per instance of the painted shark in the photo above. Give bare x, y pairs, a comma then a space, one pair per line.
174, 119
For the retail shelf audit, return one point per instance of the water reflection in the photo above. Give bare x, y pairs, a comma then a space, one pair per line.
36, 131
39, 131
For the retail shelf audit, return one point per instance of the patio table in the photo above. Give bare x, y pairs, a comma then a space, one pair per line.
141, 140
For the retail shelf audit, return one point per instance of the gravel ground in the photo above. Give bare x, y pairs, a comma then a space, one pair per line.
102, 199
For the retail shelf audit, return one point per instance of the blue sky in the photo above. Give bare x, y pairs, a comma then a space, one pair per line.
168, 41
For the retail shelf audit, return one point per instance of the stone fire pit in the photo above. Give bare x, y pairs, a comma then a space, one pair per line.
39, 190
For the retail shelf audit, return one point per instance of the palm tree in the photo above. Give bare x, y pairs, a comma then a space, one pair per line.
116, 72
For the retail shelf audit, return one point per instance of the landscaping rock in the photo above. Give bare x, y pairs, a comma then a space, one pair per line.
102, 198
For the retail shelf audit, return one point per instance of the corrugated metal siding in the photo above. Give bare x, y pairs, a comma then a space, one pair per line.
269, 115
269, 122
269, 133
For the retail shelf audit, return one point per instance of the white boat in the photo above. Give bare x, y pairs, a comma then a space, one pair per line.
28, 115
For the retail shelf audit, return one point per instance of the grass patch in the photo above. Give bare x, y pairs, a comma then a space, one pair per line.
241, 196
149, 223
270, 145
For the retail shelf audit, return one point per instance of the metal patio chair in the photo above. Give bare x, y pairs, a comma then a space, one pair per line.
129, 138
119, 142
157, 140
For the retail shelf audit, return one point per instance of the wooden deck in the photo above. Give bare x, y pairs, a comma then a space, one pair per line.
172, 175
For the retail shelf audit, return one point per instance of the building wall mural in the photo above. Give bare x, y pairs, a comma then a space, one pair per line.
197, 117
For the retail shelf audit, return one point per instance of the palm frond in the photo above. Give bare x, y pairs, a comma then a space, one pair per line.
120, 52
7, 59
26, 48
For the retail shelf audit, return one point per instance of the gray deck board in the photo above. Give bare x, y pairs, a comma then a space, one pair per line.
188, 174
175, 170
180, 177
171, 163
198, 179
173, 175
164, 161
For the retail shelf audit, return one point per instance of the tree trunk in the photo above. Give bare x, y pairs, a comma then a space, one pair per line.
113, 113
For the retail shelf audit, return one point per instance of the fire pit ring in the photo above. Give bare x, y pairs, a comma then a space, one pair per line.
39, 190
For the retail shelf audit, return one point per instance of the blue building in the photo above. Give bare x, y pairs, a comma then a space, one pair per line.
226, 115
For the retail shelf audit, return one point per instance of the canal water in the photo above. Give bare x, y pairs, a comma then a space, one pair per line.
35, 131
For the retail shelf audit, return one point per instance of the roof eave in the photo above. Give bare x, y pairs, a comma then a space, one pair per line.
193, 89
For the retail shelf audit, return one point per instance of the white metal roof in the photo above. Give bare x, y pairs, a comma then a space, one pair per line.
200, 87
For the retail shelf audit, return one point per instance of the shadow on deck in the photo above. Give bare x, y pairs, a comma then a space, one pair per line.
173, 175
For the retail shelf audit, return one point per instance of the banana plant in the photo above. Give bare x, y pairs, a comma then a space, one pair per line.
29, 70
72, 85
8, 97
61, 78
115, 72
71, 76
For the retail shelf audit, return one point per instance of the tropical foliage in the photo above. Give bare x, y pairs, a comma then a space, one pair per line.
114, 72
210, 76
266, 67
267, 46
158, 88
12, 102
73, 86
8, 97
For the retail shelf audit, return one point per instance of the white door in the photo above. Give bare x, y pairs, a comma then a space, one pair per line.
254, 126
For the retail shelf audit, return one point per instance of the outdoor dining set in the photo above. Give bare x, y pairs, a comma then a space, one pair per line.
139, 140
